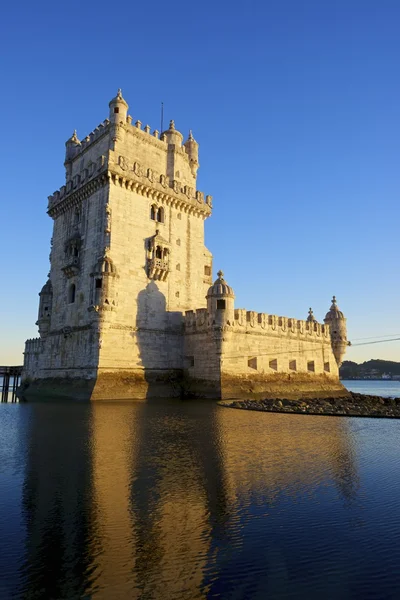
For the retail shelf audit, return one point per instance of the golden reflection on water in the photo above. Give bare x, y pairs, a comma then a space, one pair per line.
142, 499
150, 503
272, 454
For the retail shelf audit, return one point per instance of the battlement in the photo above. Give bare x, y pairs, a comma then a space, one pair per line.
78, 181
251, 321
93, 136
33, 346
197, 319
153, 136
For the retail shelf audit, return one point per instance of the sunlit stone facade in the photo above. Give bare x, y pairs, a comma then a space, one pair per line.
129, 310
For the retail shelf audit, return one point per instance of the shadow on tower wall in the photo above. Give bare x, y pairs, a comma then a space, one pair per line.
159, 337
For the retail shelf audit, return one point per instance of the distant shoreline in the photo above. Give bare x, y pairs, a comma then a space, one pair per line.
368, 379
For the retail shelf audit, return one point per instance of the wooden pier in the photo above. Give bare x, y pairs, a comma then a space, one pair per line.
10, 378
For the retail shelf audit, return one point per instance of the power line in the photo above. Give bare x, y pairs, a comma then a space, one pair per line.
377, 342
376, 337
303, 351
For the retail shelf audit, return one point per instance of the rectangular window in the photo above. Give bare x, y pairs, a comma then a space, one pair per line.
207, 271
327, 367
273, 364
221, 304
252, 363
311, 366
98, 284
292, 365
189, 362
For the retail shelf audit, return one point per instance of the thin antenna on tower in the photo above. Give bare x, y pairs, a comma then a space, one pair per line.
162, 117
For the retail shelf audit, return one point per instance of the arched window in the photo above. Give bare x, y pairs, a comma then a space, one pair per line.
160, 215
71, 293
153, 213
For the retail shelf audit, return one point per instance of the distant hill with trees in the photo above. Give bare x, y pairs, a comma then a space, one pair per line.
371, 369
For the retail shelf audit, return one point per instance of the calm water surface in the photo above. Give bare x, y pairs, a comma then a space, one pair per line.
190, 500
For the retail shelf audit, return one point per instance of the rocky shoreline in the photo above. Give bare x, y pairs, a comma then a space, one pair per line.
354, 405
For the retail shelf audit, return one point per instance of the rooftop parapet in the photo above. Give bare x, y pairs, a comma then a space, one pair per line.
198, 319
33, 346
74, 146
277, 324
251, 321
77, 182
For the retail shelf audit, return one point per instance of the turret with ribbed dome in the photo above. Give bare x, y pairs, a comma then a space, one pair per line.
192, 149
337, 323
45, 308
118, 108
220, 302
103, 292
71, 146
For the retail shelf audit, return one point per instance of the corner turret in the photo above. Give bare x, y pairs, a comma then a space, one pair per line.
172, 135
311, 317
45, 306
337, 323
118, 109
70, 147
192, 149
220, 302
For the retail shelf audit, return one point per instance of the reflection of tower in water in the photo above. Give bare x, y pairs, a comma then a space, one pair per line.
158, 500
266, 454
57, 503
178, 498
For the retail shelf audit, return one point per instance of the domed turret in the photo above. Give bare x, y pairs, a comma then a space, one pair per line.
70, 147
172, 135
220, 302
103, 292
337, 323
311, 317
192, 149
118, 109
104, 266
45, 307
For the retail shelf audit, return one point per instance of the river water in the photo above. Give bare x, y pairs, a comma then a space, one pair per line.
190, 500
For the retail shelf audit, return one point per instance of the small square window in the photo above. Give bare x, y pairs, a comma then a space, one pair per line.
207, 270
311, 366
116, 110
273, 364
220, 304
292, 365
327, 367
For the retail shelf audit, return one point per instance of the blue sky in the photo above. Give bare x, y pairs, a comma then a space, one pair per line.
295, 104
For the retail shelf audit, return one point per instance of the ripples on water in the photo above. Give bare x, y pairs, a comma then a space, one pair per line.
190, 500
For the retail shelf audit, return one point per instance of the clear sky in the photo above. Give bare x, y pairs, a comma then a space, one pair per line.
295, 105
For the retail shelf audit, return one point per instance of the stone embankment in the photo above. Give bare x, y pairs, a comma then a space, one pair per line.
357, 405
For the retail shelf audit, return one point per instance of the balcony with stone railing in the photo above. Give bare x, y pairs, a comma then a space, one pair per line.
158, 268
72, 266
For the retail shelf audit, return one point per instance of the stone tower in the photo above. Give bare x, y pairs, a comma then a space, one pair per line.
127, 258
